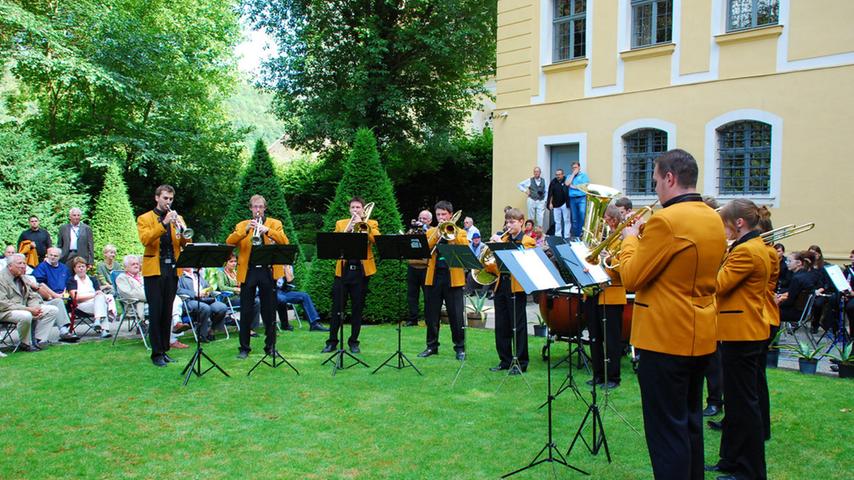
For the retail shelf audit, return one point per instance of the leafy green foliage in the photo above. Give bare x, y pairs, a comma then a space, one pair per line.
259, 178
113, 221
249, 110
33, 182
408, 70
364, 176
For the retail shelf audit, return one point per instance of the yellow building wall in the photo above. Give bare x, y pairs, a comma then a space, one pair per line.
516, 52
816, 172
603, 50
820, 28
643, 73
743, 54
695, 43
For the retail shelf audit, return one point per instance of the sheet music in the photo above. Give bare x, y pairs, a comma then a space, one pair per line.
837, 277
536, 269
596, 271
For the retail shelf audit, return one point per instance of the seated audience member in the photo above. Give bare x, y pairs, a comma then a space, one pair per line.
39, 236
285, 295
53, 273
130, 286
225, 280
803, 280
539, 237
824, 290
208, 311
104, 269
22, 305
468, 226
785, 273
86, 292
529, 228
8, 252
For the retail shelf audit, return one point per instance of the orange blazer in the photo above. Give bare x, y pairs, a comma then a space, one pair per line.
615, 293
368, 265
150, 230
458, 275
515, 287
772, 311
672, 269
28, 249
741, 286
243, 241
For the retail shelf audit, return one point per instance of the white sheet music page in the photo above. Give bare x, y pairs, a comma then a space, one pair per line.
539, 274
596, 271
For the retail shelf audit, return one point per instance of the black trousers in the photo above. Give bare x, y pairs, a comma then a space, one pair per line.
160, 293
609, 339
415, 278
714, 380
442, 291
258, 281
671, 389
353, 284
505, 323
742, 448
762, 381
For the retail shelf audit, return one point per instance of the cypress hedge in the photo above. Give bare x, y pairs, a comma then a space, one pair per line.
113, 221
260, 178
364, 176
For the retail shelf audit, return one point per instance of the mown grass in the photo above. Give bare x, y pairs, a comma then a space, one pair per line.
97, 411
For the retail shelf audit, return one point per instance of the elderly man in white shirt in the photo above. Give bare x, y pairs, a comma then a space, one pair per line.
535, 189
468, 226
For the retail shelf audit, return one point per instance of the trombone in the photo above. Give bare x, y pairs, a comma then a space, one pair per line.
182, 230
773, 236
361, 226
446, 230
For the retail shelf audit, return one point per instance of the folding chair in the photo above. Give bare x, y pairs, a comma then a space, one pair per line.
128, 313
225, 297
804, 302
6, 330
79, 317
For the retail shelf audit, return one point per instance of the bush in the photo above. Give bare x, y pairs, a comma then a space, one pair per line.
364, 176
33, 182
259, 178
113, 221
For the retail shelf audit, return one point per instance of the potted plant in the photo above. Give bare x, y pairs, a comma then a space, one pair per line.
844, 360
808, 356
476, 311
773, 357
540, 328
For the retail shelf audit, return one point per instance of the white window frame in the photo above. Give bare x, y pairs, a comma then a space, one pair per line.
618, 148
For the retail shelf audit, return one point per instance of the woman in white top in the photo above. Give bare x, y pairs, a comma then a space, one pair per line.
89, 297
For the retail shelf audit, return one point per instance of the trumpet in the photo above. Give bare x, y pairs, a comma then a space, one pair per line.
181, 229
487, 258
256, 234
357, 225
446, 230
609, 243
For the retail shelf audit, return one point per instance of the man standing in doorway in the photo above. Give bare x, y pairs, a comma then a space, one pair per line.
558, 201
577, 199
535, 189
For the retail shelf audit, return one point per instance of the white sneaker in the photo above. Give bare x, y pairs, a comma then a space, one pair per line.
2, 354
105, 334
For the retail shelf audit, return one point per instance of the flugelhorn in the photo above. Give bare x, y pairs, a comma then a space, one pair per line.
446, 230
256, 233
182, 230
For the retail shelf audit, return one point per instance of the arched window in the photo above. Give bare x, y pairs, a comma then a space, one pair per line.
641, 148
744, 158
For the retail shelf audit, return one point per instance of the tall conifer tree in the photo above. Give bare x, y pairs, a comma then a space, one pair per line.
113, 221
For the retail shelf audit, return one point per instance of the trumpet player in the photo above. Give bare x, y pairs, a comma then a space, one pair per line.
510, 298
260, 230
351, 277
416, 271
444, 284
158, 233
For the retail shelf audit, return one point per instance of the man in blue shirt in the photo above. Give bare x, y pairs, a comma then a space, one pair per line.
52, 273
577, 199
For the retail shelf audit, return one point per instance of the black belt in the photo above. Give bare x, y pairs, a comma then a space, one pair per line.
356, 266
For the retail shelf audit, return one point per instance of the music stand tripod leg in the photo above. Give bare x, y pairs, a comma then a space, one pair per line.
402, 359
515, 366
195, 363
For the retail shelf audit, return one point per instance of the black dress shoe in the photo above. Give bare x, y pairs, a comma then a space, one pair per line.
23, 347
211, 337
288, 327
158, 362
498, 368
317, 327
427, 352
461, 356
355, 349
68, 338
717, 426
711, 411
598, 382
167, 358
328, 348
242, 355
612, 384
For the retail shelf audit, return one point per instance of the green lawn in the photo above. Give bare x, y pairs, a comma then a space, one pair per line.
97, 411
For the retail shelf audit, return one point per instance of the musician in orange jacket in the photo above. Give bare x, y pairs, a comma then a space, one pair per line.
159, 235
743, 330
510, 299
611, 302
772, 314
351, 279
444, 284
257, 278
672, 269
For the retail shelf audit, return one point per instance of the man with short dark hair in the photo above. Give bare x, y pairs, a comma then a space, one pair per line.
624, 205
39, 236
558, 202
75, 240
416, 272
673, 270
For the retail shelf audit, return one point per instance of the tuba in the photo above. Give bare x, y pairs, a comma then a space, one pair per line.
610, 243
598, 198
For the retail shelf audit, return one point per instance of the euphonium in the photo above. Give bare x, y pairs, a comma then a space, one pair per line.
486, 258
447, 230
598, 198
610, 243
181, 229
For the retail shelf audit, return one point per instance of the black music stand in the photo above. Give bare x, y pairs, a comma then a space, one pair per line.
459, 256
524, 273
400, 248
201, 255
342, 246
267, 256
